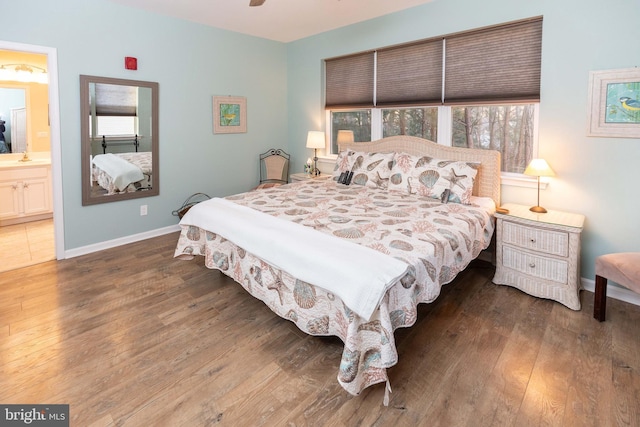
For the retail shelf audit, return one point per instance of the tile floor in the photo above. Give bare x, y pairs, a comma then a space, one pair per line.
26, 244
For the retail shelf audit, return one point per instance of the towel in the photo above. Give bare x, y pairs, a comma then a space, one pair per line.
359, 275
122, 173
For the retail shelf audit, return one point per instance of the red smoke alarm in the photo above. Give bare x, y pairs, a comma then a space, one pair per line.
130, 63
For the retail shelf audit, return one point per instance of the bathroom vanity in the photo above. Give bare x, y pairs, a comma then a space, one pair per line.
25, 190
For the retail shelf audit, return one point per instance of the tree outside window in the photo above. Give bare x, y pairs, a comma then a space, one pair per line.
506, 128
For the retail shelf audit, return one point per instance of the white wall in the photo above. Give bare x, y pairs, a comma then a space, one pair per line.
595, 176
191, 63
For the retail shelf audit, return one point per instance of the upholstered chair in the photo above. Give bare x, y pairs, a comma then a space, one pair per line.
621, 268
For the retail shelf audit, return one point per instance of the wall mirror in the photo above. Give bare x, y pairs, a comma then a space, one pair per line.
119, 130
24, 102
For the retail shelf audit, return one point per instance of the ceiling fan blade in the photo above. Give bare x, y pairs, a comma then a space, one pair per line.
256, 2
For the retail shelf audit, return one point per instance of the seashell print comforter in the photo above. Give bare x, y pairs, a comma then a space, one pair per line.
436, 240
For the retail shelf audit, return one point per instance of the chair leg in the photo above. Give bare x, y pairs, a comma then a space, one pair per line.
600, 299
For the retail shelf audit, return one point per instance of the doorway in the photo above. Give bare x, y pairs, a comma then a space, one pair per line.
37, 238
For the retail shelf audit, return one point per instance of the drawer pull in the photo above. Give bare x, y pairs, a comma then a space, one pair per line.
532, 265
533, 240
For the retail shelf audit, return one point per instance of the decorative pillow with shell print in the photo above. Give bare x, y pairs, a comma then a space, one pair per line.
430, 177
372, 169
343, 163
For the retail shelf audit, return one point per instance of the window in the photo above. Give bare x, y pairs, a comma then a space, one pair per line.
510, 129
420, 122
507, 128
477, 89
115, 110
114, 126
359, 121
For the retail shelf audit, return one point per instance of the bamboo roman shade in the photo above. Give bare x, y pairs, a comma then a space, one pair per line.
349, 81
116, 100
494, 64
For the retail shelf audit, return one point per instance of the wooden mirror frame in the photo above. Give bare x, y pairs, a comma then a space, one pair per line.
87, 198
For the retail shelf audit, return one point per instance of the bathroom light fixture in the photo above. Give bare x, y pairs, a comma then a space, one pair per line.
538, 168
25, 73
315, 140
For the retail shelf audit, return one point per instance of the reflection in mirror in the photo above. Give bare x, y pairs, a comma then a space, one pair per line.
24, 102
119, 139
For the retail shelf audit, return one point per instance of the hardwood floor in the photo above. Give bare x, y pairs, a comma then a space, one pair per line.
131, 337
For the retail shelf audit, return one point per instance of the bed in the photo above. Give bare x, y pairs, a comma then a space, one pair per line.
122, 172
330, 230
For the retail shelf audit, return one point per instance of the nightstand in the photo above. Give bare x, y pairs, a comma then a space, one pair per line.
295, 177
539, 253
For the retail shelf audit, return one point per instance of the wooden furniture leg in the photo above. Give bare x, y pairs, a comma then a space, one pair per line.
600, 299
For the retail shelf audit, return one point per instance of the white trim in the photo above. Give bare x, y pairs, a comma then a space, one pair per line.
376, 117
96, 247
444, 131
613, 291
54, 129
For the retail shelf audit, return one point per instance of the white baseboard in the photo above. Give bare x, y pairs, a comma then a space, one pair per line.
120, 241
613, 291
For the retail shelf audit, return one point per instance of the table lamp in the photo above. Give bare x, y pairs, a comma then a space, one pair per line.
315, 140
538, 168
344, 136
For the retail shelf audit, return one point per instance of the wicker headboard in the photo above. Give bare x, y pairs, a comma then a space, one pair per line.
487, 183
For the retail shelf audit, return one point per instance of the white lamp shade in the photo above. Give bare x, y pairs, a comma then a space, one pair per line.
315, 139
345, 136
539, 167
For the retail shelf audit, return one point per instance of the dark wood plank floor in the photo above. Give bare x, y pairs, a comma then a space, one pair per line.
131, 337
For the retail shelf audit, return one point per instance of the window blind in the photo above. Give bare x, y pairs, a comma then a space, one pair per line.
488, 65
349, 81
495, 64
116, 100
410, 74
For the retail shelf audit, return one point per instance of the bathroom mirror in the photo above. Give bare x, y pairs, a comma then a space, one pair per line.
119, 137
24, 102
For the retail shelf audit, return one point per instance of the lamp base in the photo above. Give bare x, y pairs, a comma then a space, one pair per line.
316, 171
538, 209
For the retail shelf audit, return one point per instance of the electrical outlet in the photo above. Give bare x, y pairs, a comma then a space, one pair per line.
143, 210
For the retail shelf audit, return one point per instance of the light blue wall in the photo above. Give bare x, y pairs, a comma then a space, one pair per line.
595, 176
191, 63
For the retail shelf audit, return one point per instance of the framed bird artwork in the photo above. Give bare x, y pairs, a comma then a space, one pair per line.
229, 114
614, 103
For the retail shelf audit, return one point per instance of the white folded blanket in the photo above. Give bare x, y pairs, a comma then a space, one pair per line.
359, 275
122, 173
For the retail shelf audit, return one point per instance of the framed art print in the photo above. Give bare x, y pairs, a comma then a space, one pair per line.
229, 114
614, 103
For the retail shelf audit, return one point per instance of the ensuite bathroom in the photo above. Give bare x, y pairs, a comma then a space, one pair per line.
26, 205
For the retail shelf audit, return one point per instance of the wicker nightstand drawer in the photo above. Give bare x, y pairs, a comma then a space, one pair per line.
537, 239
552, 269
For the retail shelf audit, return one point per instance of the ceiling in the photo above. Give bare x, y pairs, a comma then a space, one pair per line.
280, 20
